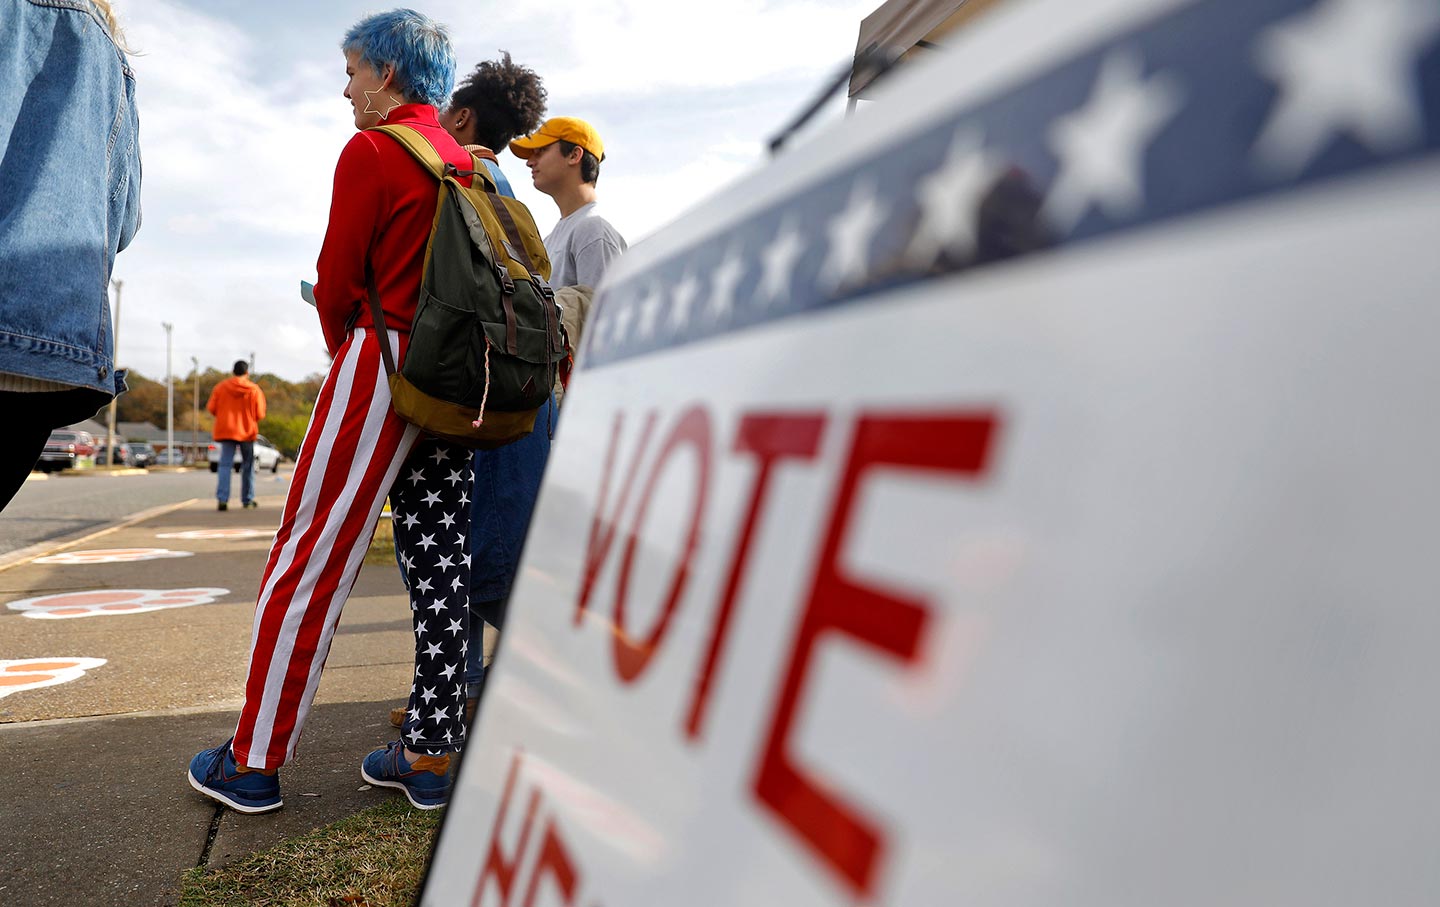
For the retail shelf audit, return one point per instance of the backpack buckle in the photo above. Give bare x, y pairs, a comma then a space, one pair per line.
507, 283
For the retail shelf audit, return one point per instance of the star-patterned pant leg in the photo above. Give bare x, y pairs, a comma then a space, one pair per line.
430, 502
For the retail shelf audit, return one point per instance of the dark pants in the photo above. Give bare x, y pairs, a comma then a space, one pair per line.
28, 427
30, 416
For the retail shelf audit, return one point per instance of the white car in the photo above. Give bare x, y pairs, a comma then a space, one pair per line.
266, 456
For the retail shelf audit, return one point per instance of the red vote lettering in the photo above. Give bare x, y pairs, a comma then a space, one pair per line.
553, 861
770, 437
602, 530
499, 868
631, 656
849, 842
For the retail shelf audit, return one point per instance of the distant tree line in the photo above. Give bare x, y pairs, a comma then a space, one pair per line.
288, 405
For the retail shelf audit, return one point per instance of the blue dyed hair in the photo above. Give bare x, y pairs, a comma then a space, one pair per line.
416, 45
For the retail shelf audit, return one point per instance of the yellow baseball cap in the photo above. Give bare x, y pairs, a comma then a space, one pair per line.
560, 129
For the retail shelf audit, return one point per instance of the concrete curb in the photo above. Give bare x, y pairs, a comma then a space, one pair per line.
231, 708
98, 472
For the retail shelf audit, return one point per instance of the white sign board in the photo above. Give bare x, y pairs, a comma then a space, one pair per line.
1023, 494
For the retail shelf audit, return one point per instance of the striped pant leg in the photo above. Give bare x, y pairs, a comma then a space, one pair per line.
431, 506
352, 452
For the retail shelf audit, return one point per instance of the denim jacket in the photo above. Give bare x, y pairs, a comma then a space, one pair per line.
69, 190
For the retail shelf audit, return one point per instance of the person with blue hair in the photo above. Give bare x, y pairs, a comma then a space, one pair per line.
357, 451
410, 52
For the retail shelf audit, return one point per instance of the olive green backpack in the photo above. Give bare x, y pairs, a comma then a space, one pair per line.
487, 341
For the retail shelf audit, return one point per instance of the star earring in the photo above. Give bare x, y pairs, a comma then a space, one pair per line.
370, 104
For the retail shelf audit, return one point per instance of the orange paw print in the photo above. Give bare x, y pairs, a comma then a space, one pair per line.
112, 602
33, 673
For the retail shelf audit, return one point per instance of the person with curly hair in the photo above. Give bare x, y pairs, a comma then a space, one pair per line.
499, 100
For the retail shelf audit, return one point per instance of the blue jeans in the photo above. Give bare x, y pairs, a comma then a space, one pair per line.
507, 483
247, 471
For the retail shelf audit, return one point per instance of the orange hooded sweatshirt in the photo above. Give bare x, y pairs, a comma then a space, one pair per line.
238, 405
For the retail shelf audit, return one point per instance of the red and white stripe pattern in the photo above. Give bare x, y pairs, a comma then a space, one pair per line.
351, 455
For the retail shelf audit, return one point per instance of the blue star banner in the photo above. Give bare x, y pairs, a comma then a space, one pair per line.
1217, 103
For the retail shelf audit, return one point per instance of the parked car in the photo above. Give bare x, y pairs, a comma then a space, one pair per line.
266, 456
65, 449
142, 454
124, 454
171, 457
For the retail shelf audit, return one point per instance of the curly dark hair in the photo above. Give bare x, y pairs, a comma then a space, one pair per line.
505, 98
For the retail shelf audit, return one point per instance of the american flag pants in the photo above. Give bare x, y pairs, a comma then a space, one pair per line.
355, 452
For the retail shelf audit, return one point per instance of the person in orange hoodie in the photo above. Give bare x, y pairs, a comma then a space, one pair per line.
238, 405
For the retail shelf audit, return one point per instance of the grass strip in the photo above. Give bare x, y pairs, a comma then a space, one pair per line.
375, 858
382, 544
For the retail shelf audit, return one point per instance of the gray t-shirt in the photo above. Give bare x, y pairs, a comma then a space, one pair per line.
581, 247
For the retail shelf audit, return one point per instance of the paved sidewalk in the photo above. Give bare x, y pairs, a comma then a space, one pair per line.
96, 807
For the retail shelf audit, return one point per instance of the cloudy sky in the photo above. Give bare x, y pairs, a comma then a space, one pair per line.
242, 119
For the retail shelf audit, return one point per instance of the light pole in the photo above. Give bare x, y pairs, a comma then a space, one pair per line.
169, 398
195, 425
115, 340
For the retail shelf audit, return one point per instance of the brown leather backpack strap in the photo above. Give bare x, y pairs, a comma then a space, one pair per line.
547, 295
377, 314
553, 330
507, 300
502, 213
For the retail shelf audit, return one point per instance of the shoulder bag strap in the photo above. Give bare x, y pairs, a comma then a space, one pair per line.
418, 146
502, 214
377, 314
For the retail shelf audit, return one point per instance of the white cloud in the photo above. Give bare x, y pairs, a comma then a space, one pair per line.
652, 199
237, 178
600, 48
242, 120
215, 138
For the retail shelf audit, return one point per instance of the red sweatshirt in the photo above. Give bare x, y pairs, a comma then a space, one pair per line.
381, 210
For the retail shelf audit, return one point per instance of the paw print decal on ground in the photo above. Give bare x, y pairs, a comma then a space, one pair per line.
217, 534
33, 673
113, 602
111, 556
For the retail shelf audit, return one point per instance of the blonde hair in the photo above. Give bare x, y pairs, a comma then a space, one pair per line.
103, 6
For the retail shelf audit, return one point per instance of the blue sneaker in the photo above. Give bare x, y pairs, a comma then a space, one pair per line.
214, 773
426, 783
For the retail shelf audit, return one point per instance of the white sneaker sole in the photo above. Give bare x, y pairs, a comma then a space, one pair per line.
237, 806
400, 787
